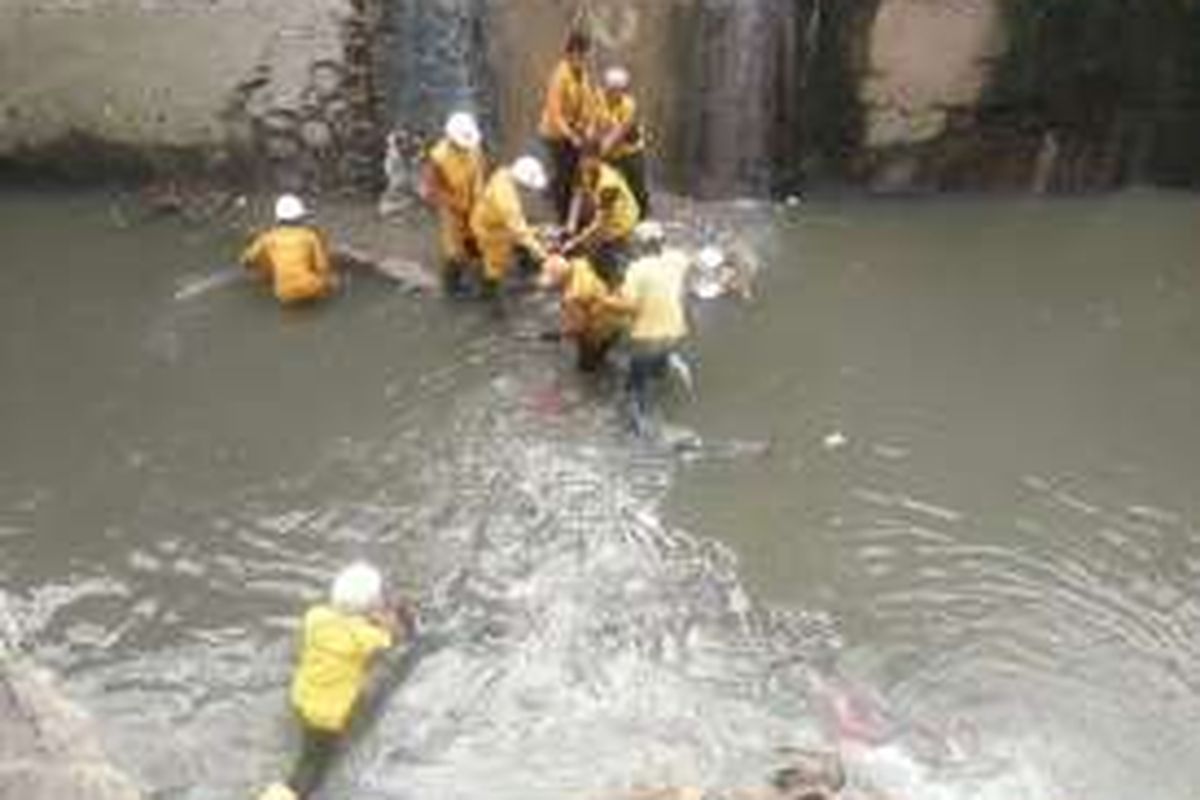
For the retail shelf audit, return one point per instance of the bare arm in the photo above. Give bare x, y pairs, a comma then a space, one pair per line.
398, 618
615, 136
524, 234
584, 236
576, 212
252, 256
320, 256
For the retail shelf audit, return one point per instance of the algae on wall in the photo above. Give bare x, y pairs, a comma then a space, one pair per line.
1111, 87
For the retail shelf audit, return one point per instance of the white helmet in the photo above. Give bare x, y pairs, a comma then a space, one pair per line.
463, 130
616, 78
528, 172
710, 257
649, 232
357, 589
289, 208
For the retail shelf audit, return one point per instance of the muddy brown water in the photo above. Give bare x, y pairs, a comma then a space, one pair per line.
948, 452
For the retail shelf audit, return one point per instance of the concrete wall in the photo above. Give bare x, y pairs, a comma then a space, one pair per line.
211, 77
151, 70
927, 61
740, 95
926, 58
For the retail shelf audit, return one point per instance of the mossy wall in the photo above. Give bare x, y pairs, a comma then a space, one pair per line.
1116, 83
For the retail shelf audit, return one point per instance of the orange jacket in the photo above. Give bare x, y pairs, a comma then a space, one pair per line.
570, 103
296, 260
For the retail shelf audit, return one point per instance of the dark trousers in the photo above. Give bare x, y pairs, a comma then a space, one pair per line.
647, 363
591, 351
633, 169
317, 749
564, 161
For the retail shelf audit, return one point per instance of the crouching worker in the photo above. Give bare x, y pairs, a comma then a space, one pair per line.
499, 225
622, 143
652, 297
590, 312
292, 255
338, 642
451, 182
603, 216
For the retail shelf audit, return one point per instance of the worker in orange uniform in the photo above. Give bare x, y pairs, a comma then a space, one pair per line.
292, 255
499, 225
620, 135
338, 642
604, 213
567, 119
588, 311
452, 182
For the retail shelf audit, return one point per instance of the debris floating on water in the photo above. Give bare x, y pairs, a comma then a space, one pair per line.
194, 286
835, 441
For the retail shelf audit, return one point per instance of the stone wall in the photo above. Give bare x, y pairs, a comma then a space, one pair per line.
97, 86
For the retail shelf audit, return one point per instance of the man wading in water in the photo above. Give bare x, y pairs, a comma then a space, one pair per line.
292, 255
452, 182
339, 641
500, 228
652, 296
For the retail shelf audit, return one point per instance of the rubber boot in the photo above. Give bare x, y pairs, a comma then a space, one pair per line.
491, 292
453, 285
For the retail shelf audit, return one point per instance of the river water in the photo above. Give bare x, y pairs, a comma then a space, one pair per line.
945, 466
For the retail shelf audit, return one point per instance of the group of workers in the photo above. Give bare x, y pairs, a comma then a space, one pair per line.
595, 181
601, 252
608, 261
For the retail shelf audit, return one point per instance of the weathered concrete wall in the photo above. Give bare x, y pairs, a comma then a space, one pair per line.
209, 77
741, 96
928, 60
152, 70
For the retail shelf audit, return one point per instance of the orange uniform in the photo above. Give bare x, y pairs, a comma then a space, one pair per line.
499, 225
569, 108
460, 174
333, 662
619, 112
295, 259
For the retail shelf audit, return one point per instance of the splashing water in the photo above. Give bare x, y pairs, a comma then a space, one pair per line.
585, 647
